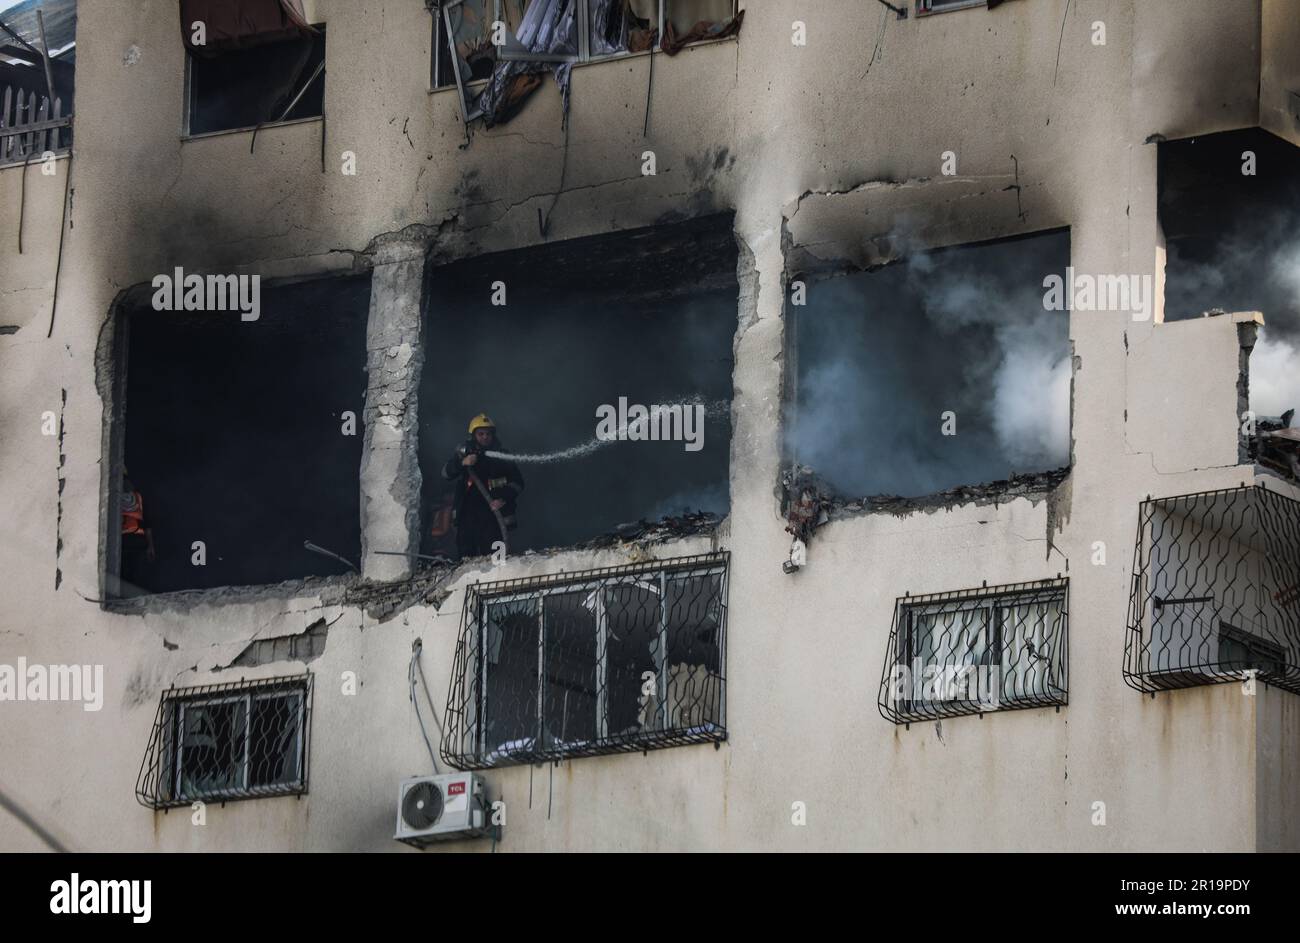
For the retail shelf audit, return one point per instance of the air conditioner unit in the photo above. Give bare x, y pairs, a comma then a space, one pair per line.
441, 808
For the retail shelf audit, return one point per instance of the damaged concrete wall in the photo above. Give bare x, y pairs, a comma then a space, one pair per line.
390, 468
866, 109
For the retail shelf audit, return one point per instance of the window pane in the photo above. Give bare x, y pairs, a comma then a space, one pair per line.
245, 87
569, 698
471, 25
274, 740
212, 747
550, 26
948, 642
510, 677
694, 682
1030, 635
632, 619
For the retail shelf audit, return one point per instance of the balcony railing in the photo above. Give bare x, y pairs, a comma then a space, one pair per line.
614, 660
1216, 591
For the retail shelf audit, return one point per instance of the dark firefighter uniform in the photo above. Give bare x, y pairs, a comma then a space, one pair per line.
476, 526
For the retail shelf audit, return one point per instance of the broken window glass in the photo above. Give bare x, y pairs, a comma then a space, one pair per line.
212, 743
471, 49
629, 658
227, 741
261, 84
571, 664
511, 649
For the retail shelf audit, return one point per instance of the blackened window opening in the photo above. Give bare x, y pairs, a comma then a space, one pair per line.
957, 340
644, 317
242, 88
236, 438
1229, 207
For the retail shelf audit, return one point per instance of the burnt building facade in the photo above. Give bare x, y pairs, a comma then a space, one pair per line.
886, 412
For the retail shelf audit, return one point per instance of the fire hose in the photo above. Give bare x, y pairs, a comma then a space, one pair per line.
487, 497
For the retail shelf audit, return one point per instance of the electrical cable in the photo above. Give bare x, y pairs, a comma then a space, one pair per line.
416, 647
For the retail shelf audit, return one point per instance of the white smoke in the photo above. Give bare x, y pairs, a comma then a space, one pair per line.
1031, 379
1274, 375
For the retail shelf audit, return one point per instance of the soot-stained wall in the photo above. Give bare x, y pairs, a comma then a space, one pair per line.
883, 354
235, 434
1233, 242
649, 315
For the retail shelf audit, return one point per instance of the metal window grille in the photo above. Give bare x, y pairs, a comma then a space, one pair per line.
221, 742
979, 650
580, 664
1216, 591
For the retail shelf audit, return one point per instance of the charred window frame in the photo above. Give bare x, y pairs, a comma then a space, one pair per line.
650, 315
1215, 591
927, 7
1022, 261
977, 651
448, 20
300, 97
616, 660
224, 742
306, 318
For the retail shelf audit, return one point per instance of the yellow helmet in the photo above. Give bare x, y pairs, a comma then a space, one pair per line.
481, 421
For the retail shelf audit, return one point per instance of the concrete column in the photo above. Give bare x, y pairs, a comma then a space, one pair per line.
390, 468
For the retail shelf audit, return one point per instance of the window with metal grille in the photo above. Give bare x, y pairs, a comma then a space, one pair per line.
579, 664
988, 649
1216, 591
223, 742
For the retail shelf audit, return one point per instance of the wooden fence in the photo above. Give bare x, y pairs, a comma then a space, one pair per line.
29, 127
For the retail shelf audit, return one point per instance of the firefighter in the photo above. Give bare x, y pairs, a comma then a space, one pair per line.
479, 522
137, 535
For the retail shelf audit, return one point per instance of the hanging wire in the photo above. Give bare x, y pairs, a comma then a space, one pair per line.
416, 648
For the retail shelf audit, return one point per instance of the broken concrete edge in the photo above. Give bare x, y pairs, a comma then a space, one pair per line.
849, 250
1035, 487
382, 600
283, 648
